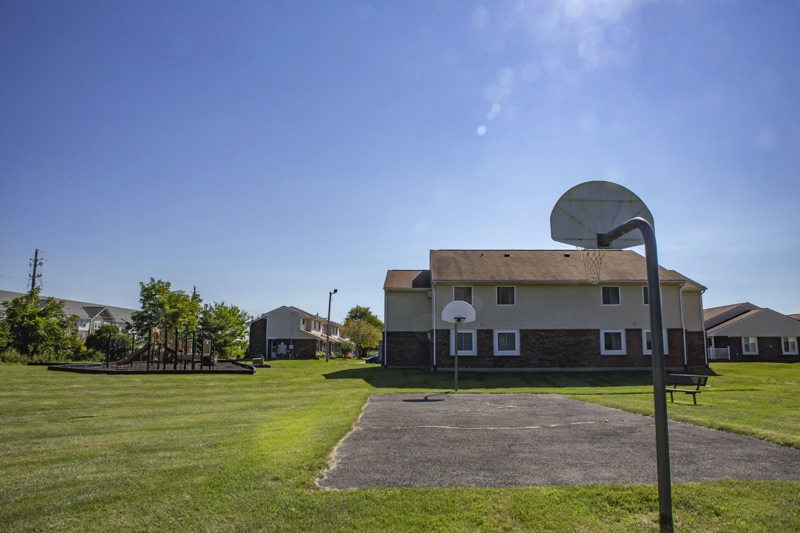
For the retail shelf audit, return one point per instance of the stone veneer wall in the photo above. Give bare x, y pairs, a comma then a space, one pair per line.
408, 349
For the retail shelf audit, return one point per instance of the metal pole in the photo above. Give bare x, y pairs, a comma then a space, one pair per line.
659, 381
456, 361
149, 347
328, 329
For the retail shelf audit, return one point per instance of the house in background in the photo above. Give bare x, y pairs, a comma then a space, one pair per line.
289, 332
536, 310
746, 332
90, 316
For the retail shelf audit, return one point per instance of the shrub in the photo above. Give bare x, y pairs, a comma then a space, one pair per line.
10, 355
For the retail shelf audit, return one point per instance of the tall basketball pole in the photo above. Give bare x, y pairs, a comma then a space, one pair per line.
657, 339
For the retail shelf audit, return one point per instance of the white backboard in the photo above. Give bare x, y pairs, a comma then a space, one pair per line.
458, 311
594, 208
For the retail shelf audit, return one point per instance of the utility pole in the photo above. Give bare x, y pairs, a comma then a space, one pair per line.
36, 263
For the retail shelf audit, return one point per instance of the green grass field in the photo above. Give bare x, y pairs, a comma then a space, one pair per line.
241, 453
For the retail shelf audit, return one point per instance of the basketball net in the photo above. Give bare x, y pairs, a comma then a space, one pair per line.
593, 261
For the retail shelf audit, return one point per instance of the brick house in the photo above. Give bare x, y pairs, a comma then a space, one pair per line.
535, 310
289, 332
746, 332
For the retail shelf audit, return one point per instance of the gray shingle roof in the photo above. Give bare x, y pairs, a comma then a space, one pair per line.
84, 310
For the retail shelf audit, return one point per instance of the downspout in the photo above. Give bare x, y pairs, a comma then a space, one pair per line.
705, 338
267, 351
683, 329
385, 358
433, 318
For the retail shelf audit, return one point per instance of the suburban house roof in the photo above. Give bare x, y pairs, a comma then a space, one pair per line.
757, 323
408, 279
299, 312
83, 310
542, 266
718, 315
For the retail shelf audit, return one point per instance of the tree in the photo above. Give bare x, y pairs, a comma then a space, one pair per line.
105, 336
363, 313
163, 307
36, 327
361, 333
228, 326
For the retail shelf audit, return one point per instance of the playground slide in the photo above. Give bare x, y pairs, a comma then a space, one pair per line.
135, 355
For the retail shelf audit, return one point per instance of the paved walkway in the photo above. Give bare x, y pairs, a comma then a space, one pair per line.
514, 440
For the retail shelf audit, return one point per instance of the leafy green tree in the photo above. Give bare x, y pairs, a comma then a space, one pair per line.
363, 313
4, 334
163, 307
37, 327
228, 326
345, 348
361, 333
105, 336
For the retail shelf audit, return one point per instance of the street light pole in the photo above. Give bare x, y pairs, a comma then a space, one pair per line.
328, 328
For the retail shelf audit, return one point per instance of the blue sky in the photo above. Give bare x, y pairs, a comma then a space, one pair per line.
269, 152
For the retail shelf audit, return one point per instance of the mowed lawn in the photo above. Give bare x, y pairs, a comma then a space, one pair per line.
241, 453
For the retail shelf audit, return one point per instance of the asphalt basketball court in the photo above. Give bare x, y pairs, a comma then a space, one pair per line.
515, 440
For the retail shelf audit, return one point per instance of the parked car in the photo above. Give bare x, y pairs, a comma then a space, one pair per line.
374, 359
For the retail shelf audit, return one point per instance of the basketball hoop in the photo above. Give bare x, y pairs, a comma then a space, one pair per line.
593, 261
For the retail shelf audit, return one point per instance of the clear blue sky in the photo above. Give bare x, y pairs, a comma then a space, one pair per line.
268, 152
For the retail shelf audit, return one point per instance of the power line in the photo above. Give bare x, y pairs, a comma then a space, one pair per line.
214, 298
130, 280
90, 292
65, 262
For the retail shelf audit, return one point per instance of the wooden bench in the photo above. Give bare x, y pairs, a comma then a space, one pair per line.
686, 380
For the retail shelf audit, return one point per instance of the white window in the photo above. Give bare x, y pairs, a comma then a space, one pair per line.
467, 342
317, 325
610, 295
647, 343
645, 295
303, 323
612, 342
506, 342
462, 293
789, 345
506, 296
97, 324
750, 345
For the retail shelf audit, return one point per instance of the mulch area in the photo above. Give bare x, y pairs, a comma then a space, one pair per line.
221, 367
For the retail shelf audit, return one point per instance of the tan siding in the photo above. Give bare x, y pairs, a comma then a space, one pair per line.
284, 323
562, 307
408, 311
693, 310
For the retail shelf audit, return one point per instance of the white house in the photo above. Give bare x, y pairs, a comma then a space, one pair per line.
289, 332
90, 316
536, 310
746, 332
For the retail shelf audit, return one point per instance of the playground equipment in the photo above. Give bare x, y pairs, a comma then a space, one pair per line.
135, 355
165, 347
